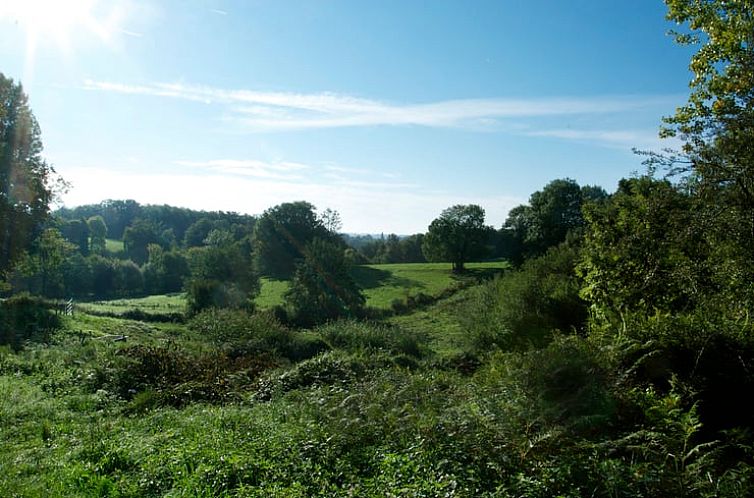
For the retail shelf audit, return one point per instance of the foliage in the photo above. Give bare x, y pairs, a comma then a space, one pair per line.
222, 275
281, 235
153, 376
98, 234
717, 129
641, 250
552, 214
24, 318
43, 271
392, 249
356, 336
458, 235
523, 308
119, 214
165, 271
77, 233
240, 331
27, 182
137, 238
322, 288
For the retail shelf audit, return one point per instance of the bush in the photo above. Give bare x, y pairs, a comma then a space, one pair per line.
205, 294
704, 350
25, 318
156, 376
322, 288
332, 367
522, 309
359, 336
238, 331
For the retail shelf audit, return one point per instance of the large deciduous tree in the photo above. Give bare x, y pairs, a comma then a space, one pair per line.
716, 126
26, 180
458, 235
282, 233
552, 213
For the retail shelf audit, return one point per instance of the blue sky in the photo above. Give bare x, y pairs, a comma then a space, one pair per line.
387, 111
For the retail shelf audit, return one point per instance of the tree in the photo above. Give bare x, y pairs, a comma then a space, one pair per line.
128, 279
165, 271
77, 233
197, 232
331, 220
322, 288
103, 275
717, 129
717, 122
222, 275
411, 249
27, 182
138, 236
552, 213
281, 234
44, 268
458, 235
641, 251
97, 234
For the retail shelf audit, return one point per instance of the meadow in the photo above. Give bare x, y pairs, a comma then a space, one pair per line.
231, 405
382, 285
158, 304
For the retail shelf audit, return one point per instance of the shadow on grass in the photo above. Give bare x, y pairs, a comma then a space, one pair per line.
477, 274
370, 278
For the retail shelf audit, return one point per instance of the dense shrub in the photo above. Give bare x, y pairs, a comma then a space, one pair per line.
153, 376
24, 318
711, 355
205, 294
522, 309
332, 367
352, 335
322, 287
240, 331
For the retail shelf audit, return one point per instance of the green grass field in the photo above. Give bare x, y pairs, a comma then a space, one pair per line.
384, 283
165, 303
114, 246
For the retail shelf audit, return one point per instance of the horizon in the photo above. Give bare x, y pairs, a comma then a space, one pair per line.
400, 109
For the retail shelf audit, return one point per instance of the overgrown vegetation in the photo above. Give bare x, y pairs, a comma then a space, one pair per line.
612, 360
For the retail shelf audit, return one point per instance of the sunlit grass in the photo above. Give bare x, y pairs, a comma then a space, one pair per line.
382, 284
114, 246
163, 303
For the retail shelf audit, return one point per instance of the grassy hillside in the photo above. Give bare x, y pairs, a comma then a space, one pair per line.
382, 284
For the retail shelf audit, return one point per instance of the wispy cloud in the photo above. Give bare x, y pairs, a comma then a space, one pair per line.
249, 167
219, 12
133, 34
623, 139
279, 111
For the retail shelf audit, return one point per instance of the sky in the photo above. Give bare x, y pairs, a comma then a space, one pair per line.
388, 112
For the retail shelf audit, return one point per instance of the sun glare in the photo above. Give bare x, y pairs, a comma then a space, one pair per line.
54, 22
54, 19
